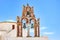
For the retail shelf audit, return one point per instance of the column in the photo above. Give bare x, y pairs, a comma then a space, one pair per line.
17, 30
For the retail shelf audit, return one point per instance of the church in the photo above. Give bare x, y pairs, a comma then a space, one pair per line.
20, 30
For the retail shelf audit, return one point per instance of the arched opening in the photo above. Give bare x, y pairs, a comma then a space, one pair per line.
24, 18
31, 29
32, 22
28, 14
24, 22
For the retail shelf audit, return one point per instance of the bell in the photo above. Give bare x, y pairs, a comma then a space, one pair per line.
32, 26
30, 20
28, 12
24, 26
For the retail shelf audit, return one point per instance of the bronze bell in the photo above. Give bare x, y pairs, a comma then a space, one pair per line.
24, 26
32, 26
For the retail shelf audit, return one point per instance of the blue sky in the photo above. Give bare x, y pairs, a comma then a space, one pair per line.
47, 10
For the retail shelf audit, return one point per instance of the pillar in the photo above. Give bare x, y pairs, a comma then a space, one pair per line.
38, 28
20, 30
35, 30
19, 27
17, 30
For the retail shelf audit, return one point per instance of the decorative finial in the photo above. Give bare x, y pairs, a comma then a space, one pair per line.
27, 4
23, 5
38, 19
32, 7
18, 18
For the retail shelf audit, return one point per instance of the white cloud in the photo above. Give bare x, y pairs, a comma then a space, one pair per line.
43, 28
11, 20
48, 33
42, 32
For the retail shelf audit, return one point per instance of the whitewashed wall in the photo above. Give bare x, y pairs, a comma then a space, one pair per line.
7, 27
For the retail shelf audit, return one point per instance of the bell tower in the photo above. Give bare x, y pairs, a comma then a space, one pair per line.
28, 16
28, 13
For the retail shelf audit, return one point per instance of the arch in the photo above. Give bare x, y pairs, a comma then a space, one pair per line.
33, 19
34, 24
24, 19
